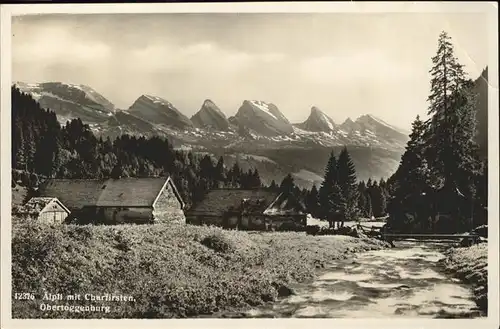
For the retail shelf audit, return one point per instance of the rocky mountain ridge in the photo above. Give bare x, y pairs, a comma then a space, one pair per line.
256, 121
258, 134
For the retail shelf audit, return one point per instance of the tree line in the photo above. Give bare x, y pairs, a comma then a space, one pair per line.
43, 148
441, 182
341, 198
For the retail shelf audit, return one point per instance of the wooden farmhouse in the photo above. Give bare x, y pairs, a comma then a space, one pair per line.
254, 209
117, 201
46, 210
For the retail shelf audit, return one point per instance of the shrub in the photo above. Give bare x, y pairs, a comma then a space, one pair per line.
312, 229
217, 243
170, 270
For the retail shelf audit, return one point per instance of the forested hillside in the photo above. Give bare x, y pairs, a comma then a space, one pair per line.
42, 148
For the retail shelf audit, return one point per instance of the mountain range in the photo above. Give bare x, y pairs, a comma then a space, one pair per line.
255, 120
257, 135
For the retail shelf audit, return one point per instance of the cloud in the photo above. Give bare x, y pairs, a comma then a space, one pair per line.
362, 66
347, 64
199, 56
50, 44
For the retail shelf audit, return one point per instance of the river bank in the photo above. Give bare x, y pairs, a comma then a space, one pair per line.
170, 271
471, 266
406, 281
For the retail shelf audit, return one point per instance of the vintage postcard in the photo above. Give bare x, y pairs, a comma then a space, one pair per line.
250, 164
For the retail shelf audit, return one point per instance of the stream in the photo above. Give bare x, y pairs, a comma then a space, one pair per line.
405, 281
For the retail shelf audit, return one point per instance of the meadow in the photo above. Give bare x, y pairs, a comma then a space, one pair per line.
471, 266
170, 271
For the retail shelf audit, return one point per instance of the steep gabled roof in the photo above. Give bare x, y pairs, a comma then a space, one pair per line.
252, 201
74, 193
286, 204
218, 201
130, 191
124, 192
36, 205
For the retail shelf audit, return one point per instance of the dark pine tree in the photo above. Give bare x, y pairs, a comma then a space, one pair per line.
255, 181
450, 147
312, 202
362, 202
378, 200
273, 186
347, 183
207, 170
327, 186
411, 180
220, 174
450, 133
235, 175
287, 185
368, 207
336, 206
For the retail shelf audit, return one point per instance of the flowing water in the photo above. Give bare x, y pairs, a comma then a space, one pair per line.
406, 281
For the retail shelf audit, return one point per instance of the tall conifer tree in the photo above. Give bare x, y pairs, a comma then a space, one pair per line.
347, 182
327, 186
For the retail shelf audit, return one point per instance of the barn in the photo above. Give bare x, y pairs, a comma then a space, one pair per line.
45, 210
119, 201
248, 209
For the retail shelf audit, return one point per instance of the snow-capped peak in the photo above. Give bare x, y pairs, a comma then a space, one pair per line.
157, 100
67, 92
71, 85
264, 107
318, 122
370, 118
208, 102
321, 116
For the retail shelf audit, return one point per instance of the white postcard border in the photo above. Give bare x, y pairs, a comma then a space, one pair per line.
269, 7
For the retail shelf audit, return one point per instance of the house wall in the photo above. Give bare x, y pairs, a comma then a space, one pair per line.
53, 217
52, 214
112, 215
253, 222
288, 223
209, 220
232, 222
124, 215
273, 222
167, 208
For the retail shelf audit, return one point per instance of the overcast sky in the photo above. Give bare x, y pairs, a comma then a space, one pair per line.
346, 64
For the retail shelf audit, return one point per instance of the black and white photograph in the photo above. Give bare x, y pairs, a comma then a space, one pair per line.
240, 162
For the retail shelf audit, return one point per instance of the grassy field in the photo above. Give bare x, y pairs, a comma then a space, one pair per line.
471, 265
171, 271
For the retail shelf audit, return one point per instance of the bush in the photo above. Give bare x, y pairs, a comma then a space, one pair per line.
313, 229
216, 242
170, 270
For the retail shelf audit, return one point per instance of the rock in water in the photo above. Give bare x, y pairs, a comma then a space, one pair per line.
284, 291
